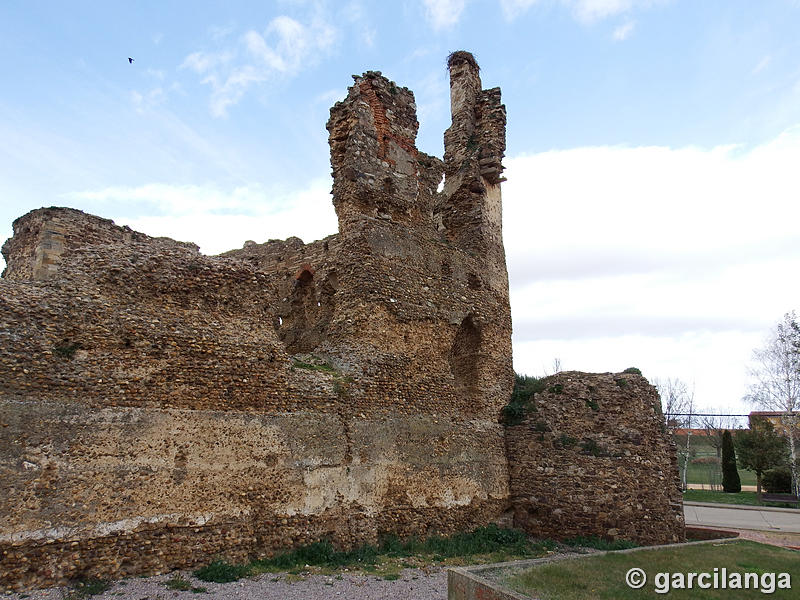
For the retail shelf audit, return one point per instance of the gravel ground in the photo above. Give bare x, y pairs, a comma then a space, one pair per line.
787, 540
413, 584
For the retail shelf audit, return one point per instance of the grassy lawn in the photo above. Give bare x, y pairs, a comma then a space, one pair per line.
603, 577
746, 498
702, 473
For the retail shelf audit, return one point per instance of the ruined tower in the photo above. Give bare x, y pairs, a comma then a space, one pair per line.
160, 408
469, 213
436, 260
356, 381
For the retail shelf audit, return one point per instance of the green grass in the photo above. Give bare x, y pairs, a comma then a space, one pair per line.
485, 544
325, 367
220, 571
66, 350
600, 544
86, 588
700, 473
744, 498
522, 402
603, 577
180, 584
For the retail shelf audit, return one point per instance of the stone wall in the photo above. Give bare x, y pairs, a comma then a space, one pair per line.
592, 458
160, 408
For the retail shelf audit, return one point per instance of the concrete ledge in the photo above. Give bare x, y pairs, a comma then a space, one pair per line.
468, 583
465, 585
794, 511
701, 533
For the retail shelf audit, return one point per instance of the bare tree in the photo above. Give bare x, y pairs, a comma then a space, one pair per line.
677, 402
556, 368
776, 382
714, 422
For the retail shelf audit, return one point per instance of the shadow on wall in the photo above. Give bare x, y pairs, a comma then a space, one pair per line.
464, 356
303, 325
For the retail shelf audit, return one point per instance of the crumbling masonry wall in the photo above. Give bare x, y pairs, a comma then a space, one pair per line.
592, 458
160, 408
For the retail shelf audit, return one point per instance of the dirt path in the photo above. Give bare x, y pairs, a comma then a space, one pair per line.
413, 584
787, 540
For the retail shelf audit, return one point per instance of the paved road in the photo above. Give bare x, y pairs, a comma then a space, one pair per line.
705, 486
742, 517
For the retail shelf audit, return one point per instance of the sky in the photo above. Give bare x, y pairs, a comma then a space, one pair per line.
652, 204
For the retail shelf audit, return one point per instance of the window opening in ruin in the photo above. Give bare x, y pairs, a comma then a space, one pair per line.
440, 187
305, 277
310, 309
464, 357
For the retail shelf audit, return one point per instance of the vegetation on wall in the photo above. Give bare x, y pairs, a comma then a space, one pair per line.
522, 399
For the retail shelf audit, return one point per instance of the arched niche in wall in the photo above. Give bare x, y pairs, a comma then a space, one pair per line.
303, 324
463, 357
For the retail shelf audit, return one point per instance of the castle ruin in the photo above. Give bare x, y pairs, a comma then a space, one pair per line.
159, 407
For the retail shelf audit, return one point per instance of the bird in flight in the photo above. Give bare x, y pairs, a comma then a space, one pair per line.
130, 60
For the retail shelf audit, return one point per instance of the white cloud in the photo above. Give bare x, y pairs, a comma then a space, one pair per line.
368, 35
514, 8
585, 11
354, 13
228, 92
293, 43
676, 261
203, 62
762, 64
284, 48
443, 14
624, 31
155, 73
144, 102
595, 10
221, 32
220, 219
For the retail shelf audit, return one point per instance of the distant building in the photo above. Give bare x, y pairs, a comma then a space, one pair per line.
782, 420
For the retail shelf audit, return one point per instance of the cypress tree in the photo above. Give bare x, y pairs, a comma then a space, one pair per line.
730, 475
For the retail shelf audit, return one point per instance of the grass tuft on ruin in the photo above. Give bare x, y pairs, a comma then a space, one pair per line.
179, 583
324, 367
522, 399
86, 588
599, 543
390, 556
221, 571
